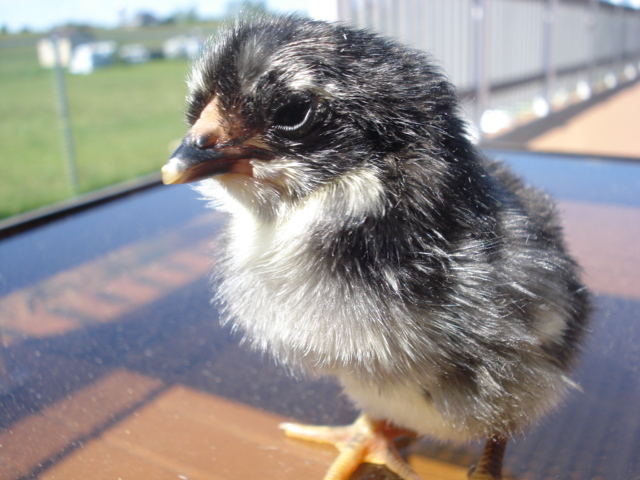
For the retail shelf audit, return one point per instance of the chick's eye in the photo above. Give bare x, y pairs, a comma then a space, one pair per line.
295, 119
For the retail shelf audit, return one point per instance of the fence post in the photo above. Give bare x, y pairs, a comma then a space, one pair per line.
479, 14
620, 44
63, 111
591, 21
549, 62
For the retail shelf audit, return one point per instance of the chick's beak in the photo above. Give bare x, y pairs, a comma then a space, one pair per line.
194, 160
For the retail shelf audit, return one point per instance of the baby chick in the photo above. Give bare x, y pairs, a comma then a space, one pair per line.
369, 240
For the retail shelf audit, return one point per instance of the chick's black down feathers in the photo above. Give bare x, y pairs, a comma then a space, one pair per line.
370, 240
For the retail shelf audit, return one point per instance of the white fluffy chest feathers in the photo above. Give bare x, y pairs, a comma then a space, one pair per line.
275, 286
281, 242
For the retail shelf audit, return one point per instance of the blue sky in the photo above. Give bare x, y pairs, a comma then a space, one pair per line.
40, 15
626, 3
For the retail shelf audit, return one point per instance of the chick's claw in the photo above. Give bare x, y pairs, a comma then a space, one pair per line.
365, 441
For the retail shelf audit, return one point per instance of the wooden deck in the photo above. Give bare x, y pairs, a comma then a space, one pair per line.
180, 434
121, 371
609, 128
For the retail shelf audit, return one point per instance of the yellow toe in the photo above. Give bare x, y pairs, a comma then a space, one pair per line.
364, 441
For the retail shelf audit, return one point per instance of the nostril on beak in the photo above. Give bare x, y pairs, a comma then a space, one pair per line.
204, 141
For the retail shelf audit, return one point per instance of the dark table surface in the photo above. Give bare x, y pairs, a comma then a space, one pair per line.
124, 286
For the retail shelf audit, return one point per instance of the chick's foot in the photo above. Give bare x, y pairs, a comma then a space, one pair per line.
490, 465
365, 441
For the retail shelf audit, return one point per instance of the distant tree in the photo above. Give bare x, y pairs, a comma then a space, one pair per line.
4, 30
246, 7
192, 15
144, 19
73, 27
189, 15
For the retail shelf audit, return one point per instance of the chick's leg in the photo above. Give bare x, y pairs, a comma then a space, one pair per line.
490, 465
365, 441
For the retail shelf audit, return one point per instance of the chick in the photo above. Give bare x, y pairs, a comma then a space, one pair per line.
369, 240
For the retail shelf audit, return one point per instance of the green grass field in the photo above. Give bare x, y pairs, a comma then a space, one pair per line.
124, 119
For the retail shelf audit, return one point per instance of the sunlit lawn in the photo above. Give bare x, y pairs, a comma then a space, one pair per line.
124, 119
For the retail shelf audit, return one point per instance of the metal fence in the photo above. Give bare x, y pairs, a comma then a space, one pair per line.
513, 60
